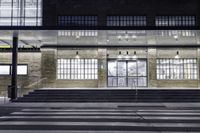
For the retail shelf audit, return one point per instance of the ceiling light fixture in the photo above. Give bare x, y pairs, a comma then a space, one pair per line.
77, 55
120, 55
135, 55
177, 55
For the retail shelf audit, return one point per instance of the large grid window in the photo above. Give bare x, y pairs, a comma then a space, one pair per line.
77, 69
176, 69
175, 21
126, 20
6, 69
77, 21
20, 12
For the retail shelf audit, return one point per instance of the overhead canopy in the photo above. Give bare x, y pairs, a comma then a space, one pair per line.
38, 38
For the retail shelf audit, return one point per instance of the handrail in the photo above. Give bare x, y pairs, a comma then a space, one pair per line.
135, 86
36, 84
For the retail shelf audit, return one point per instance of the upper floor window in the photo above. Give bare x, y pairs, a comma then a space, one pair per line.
20, 12
78, 33
126, 21
175, 21
77, 21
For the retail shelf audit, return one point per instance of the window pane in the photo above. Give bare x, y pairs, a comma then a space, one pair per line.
142, 81
121, 68
132, 69
4, 69
22, 69
112, 81
112, 68
122, 81
132, 81
142, 70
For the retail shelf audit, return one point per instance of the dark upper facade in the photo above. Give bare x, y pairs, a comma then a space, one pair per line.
53, 10
100, 13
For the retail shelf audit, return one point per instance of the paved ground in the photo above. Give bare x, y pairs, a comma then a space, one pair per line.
100, 118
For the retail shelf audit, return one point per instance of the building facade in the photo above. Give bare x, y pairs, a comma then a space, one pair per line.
101, 44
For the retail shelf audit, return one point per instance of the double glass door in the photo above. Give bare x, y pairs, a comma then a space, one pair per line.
127, 73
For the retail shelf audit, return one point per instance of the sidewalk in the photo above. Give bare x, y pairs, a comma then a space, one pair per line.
104, 105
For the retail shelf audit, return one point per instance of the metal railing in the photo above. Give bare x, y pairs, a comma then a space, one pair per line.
134, 86
39, 83
22, 89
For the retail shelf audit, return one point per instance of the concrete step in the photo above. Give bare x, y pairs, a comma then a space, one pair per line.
49, 95
101, 120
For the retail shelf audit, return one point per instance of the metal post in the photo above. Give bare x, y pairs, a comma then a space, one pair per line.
14, 66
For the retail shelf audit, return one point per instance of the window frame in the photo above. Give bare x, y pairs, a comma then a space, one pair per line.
194, 68
126, 20
175, 20
10, 70
18, 13
127, 76
93, 75
79, 20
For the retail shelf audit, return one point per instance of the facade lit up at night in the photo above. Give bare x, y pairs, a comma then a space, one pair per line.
100, 44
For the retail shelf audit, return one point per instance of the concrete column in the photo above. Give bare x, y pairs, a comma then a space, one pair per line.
14, 66
198, 61
152, 82
48, 66
102, 68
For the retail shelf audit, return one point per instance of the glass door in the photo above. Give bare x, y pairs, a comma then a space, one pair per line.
121, 73
127, 73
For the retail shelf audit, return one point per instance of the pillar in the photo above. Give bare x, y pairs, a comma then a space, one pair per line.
14, 66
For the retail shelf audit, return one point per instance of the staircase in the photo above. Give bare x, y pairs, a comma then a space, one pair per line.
114, 95
100, 119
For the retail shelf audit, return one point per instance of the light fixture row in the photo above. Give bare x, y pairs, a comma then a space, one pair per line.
127, 56
120, 56
126, 37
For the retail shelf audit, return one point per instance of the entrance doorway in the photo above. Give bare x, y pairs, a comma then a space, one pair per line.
127, 73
